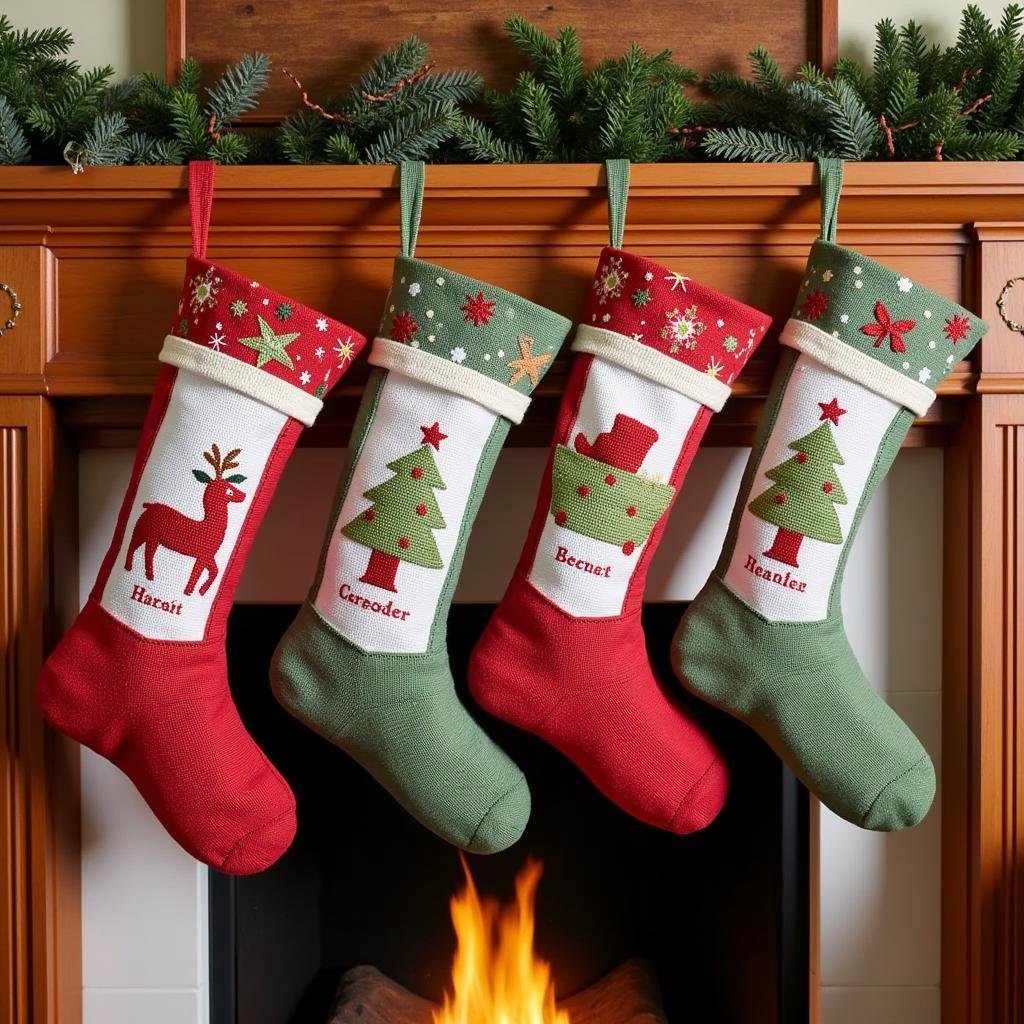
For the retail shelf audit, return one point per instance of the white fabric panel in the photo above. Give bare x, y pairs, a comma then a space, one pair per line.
781, 592
601, 590
376, 619
200, 413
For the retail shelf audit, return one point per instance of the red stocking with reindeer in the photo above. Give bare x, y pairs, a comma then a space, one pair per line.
141, 677
564, 654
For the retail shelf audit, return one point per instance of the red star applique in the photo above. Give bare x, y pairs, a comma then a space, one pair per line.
888, 328
815, 304
433, 436
956, 328
831, 411
478, 311
403, 327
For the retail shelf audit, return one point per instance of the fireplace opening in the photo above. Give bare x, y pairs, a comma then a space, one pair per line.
713, 926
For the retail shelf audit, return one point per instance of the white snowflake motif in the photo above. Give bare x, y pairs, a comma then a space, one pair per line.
682, 329
924, 375
927, 314
305, 377
219, 326
858, 284
845, 318
904, 284
254, 284
648, 276
321, 323
319, 351
414, 288
606, 318
678, 281
205, 289
345, 351
856, 270
458, 354
949, 360
719, 324
216, 342
610, 279
266, 302
637, 336
714, 368
827, 276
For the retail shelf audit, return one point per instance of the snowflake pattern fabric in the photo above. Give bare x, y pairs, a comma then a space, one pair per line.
885, 315
670, 312
237, 317
473, 324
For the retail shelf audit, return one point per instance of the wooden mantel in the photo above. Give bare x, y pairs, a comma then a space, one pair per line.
96, 261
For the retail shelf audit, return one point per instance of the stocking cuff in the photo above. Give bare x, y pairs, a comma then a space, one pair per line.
472, 330
904, 328
258, 341
669, 314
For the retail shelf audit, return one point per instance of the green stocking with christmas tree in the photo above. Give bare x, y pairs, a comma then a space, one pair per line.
365, 664
764, 640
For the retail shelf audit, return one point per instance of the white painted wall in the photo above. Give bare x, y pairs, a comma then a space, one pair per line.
144, 901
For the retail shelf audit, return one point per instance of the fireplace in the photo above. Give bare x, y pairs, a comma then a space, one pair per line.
721, 917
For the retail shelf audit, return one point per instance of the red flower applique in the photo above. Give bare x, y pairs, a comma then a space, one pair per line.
478, 311
956, 328
815, 304
403, 327
888, 328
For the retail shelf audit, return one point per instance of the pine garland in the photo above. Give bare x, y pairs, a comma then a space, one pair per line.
917, 101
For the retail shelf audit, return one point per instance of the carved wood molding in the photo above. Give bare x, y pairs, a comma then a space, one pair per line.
40, 934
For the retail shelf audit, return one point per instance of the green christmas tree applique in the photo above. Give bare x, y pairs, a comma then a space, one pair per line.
806, 491
399, 525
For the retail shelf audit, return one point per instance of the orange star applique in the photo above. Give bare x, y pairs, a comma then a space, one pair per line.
528, 365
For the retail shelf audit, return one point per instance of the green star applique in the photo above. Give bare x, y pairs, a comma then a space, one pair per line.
270, 346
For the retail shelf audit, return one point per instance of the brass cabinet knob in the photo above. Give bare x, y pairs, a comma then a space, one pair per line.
12, 295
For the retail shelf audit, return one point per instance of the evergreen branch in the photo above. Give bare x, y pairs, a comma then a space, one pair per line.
754, 146
481, 143
237, 91
14, 147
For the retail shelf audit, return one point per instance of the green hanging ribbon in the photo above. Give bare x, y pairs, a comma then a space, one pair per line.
411, 200
830, 178
617, 173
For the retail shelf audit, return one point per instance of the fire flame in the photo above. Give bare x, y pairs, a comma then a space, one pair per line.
496, 976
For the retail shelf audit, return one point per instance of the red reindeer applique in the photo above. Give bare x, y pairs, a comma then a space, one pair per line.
160, 525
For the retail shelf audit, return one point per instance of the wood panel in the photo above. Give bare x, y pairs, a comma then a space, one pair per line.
983, 718
40, 933
327, 44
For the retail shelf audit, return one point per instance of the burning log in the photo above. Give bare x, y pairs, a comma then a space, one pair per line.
629, 995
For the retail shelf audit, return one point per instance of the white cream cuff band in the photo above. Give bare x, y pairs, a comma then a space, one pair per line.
443, 373
857, 366
650, 363
223, 369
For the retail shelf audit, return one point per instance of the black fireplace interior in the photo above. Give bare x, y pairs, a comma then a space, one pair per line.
722, 915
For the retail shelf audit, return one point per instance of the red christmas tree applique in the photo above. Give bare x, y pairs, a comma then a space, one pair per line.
815, 304
478, 311
163, 526
956, 328
886, 327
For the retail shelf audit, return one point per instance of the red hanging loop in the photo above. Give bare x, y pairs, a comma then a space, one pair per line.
200, 202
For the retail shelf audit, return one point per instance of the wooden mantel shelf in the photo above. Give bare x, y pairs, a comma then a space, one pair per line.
97, 262
110, 243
